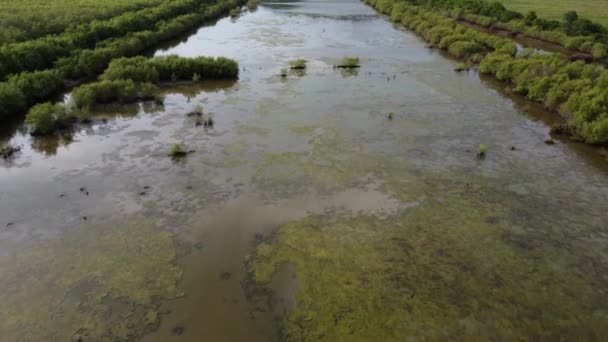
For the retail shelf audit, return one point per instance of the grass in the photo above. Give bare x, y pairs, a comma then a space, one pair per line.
482, 151
177, 150
298, 64
595, 10
252, 4
349, 62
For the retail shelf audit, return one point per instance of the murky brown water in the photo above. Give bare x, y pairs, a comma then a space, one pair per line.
106, 238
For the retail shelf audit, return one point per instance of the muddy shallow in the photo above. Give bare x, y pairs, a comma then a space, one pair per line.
106, 238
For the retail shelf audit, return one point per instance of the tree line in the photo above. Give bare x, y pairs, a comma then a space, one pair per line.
22, 20
21, 90
573, 32
127, 80
577, 91
43, 53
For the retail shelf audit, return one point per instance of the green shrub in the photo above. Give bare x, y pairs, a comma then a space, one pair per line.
170, 68
598, 51
177, 150
123, 91
578, 91
135, 68
86, 50
12, 100
37, 86
482, 151
349, 62
46, 118
298, 64
184, 68
462, 49
252, 4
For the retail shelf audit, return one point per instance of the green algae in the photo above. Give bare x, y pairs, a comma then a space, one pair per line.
233, 155
303, 130
457, 266
98, 283
333, 162
245, 129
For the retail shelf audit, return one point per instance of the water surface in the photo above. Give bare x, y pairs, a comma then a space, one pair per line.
107, 238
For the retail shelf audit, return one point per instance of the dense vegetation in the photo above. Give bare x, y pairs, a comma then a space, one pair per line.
44, 52
46, 118
573, 32
170, 68
579, 92
127, 80
86, 50
123, 91
22, 20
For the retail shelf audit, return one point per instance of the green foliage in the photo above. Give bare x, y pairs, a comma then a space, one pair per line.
170, 68
482, 150
46, 118
177, 150
38, 85
27, 19
463, 49
41, 53
135, 68
349, 62
12, 100
579, 92
574, 32
180, 68
461, 67
298, 64
235, 12
123, 91
87, 49
252, 4
283, 72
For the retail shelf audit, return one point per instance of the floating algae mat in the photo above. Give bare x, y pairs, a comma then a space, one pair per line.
443, 269
102, 283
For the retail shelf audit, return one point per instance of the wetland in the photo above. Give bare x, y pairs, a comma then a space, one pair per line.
332, 204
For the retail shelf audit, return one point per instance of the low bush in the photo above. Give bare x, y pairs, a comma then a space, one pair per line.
177, 150
298, 64
46, 118
349, 62
12, 100
577, 91
123, 91
170, 68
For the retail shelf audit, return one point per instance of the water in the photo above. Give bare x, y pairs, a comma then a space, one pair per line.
106, 238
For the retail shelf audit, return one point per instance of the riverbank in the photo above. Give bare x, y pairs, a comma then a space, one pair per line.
311, 166
563, 86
